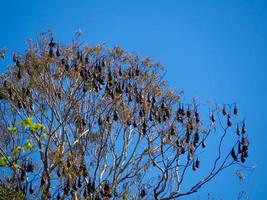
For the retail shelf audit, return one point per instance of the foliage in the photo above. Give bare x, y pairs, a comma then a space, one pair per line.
9, 193
97, 123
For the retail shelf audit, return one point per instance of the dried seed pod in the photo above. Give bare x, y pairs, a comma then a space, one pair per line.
233, 154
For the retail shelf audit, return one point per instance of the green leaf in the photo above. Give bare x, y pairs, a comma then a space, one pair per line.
34, 127
27, 122
15, 165
18, 149
44, 136
28, 145
3, 161
12, 129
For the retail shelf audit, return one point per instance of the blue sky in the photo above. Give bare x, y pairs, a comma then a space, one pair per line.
211, 49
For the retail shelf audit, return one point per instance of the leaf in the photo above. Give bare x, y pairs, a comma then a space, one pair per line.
3, 161
15, 165
27, 122
12, 129
18, 149
44, 136
28, 145
34, 127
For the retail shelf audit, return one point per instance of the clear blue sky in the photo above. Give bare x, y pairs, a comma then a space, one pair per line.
212, 49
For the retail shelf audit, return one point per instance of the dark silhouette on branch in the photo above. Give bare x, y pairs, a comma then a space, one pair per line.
87, 122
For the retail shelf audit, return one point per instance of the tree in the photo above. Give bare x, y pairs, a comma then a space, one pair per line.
87, 122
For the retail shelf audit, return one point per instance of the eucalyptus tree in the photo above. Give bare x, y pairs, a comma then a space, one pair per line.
86, 122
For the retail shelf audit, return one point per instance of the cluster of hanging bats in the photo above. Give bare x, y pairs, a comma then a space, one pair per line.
98, 76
